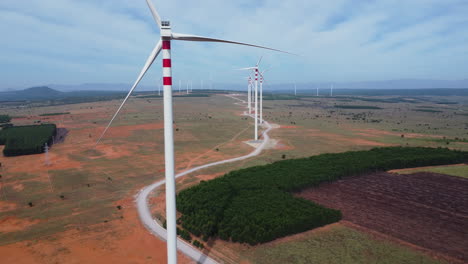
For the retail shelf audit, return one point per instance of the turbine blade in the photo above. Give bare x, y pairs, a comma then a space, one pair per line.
260, 60
154, 54
156, 16
248, 68
186, 37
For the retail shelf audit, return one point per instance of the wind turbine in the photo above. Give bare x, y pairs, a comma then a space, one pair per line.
261, 95
295, 89
164, 45
331, 90
255, 69
317, 90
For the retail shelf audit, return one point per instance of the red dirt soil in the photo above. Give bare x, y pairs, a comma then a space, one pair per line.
119, 241
12, 224
425, 209
6, 206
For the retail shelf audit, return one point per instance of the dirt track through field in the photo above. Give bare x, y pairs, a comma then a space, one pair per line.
425, 209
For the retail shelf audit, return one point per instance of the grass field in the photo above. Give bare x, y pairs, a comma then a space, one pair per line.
336, 244
454, 170
93, 182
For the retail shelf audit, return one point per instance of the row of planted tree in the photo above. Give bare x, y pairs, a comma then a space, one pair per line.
255, 205
25, 140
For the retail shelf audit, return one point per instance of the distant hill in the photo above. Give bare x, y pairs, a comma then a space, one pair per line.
101, 87
43, 93
34, 93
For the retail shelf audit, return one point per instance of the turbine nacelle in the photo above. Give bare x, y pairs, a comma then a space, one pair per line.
166, 31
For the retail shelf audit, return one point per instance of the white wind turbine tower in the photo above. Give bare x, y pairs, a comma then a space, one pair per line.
187, 87
331, 90
317, 90
164, 44
295, 89
249, 93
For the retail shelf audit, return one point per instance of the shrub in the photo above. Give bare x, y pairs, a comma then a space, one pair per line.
198, 244
5, 118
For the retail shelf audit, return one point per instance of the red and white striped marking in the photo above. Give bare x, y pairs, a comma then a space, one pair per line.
167, 63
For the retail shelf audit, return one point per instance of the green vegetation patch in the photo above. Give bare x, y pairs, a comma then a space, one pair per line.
427, 110
280, 97
5, 118
193, 95
67, 180
337, 245
255, 205
358, 107
55, 114
25, 140
457, 170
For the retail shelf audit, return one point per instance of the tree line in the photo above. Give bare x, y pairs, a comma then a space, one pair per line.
25, 140
255, 205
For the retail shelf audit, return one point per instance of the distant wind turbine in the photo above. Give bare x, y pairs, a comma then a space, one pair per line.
164, 45
261, 95
159, 88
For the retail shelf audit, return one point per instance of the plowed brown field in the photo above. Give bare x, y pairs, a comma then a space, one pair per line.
426, 209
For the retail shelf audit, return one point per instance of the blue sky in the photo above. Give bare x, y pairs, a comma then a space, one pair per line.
108, 41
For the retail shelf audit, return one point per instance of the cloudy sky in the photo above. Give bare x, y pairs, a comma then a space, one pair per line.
108, 41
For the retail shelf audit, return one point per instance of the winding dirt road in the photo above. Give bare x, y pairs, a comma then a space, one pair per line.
153, 226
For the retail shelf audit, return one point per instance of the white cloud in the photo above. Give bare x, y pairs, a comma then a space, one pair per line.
77, 41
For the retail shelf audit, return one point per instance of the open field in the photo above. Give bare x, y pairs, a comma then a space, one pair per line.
334, 244
424, 209
94, 182
460, 170
82, 189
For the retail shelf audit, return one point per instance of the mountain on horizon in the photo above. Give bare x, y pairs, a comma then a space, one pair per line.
42, 93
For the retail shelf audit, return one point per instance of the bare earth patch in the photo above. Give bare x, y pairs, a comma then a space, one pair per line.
6, 206
12, 224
